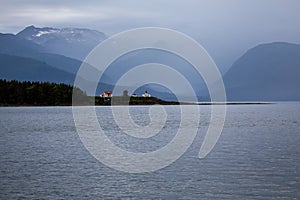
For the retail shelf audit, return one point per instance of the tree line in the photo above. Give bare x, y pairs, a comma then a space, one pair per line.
37, 93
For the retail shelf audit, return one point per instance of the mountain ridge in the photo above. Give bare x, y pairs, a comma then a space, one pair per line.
71, 42
266, 72
28, 69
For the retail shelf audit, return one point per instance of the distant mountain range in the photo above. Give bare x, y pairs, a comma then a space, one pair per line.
13, 45
24, 69
71, 42
267, 72
28, 51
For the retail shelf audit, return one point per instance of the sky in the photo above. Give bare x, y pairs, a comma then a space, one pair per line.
226, 28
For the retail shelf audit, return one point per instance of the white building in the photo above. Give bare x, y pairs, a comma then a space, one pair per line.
146, 94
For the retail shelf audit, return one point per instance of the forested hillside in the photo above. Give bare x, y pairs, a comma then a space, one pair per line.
36, 93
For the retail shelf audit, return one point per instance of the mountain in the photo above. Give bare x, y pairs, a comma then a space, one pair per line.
27, 69
21, 59
13, 45
267, 72
135, 58
41, 38
71, 42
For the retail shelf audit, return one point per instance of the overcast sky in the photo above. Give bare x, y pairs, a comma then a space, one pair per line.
226, 28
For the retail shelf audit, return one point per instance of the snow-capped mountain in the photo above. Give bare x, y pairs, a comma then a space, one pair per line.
71, 42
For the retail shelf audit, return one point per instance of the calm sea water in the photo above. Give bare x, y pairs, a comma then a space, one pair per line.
257, 157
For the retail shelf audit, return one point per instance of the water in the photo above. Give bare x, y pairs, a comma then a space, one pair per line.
257, 157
